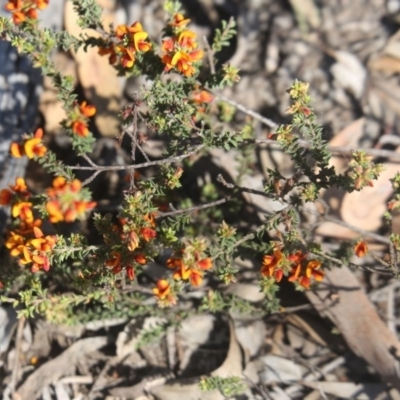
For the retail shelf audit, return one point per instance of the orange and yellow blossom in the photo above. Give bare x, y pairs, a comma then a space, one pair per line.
130, 272
65, 203
361, 249
79, 124
87, 110
131, 40
41, 245
22, 9
140, 258
193, 272
182, 273
196, 277
127, 56
33, 250
26, 228
186, 39
115, 262
205, 263
41, 242
179, 21
168, 45
31, 147
20, 188
270, 265
179, 51
149, 218
182, 61
41, 4
23, 210
162, 289
14, 243
202, 96
148, 233
304, 273
133, 240
80, 128
139, 42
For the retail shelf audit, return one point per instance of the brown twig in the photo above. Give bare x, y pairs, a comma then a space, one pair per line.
364, 233
343, 151
243, 189
258, 117
169, 160
194, 209
337, 150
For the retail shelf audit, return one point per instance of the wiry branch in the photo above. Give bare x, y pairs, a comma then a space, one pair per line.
193, 209
169, 160
336, 150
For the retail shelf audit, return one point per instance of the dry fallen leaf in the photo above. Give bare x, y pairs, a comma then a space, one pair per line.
357, 320
58, 367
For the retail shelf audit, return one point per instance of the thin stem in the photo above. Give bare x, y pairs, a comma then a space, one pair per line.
265, 121
221, 179
375, 236
210, 55
138, 166
194, 209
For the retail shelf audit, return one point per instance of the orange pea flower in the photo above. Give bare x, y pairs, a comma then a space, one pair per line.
270, 265
79, 124
183, 61
182, 273
179, 21
115, 260
131, 40
162, 289
55, 214
65, 203
133, 241
21, 10
202, 96
14, 243
19, 188
31, 147
23, 210
361, 249
87, 110
80, 128
140, 258
5, 197
130, 272
127, 56
187, 40
41, 242
139, 41
196, 277
148, 234
41, 4
174, 262
205, 263
168, 45
304, 273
